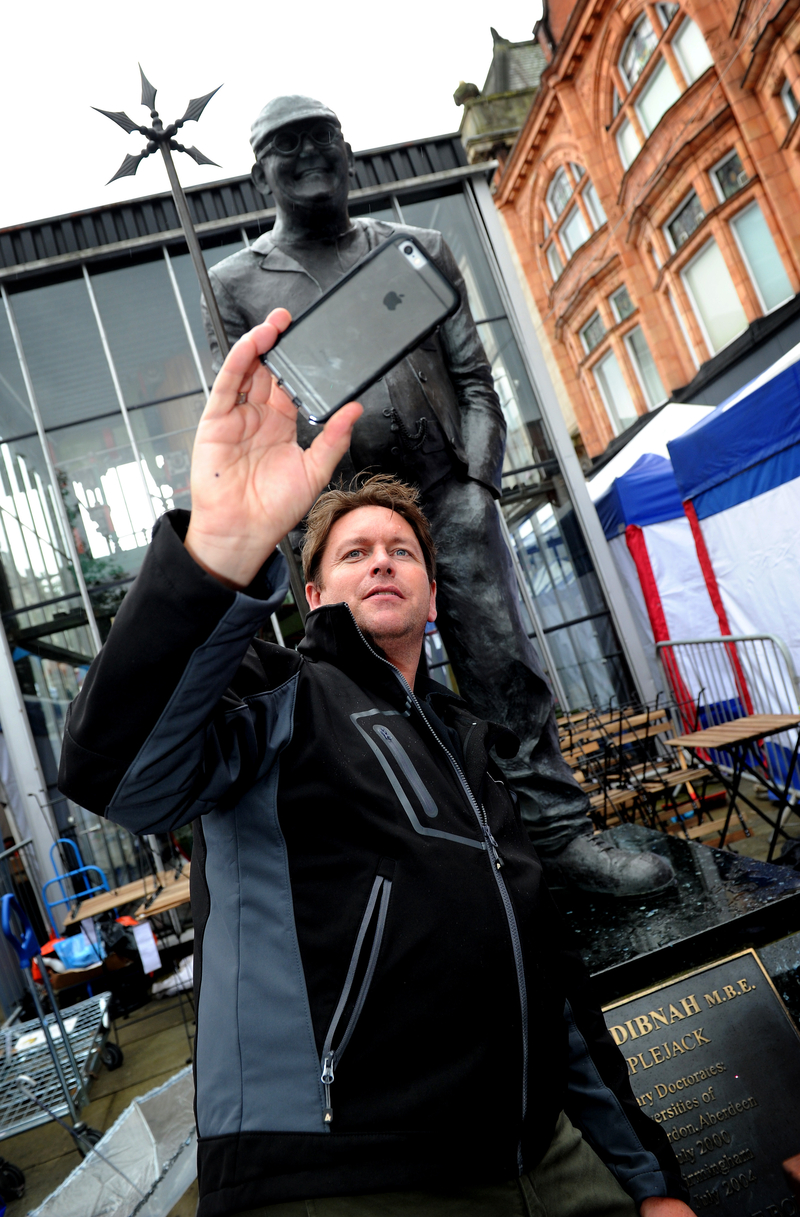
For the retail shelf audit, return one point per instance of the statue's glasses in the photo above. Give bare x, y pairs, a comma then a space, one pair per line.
286, 143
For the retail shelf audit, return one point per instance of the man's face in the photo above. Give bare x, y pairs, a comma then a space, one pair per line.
311, 175
374, 563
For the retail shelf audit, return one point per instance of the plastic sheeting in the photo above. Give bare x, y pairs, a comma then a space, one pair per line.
646, 494
681, 587
754, 549
753, 426
663, 425
153, 1142
656, 558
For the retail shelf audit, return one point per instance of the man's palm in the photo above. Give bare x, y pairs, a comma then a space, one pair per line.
251, 481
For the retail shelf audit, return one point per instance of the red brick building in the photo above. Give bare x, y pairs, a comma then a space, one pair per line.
653, 198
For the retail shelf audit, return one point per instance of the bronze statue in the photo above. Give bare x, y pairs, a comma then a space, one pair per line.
434, 420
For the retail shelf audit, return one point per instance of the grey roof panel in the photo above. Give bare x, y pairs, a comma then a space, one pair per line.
217, 201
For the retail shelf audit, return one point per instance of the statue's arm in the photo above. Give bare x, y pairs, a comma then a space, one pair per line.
483, 426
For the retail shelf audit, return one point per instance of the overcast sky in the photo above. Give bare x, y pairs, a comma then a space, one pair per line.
388, 70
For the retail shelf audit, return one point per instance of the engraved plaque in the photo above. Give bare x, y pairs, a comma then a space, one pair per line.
714, 1058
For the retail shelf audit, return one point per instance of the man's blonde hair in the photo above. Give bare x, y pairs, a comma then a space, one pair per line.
381, 490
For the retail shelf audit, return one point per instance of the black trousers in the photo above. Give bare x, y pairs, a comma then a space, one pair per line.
498, 670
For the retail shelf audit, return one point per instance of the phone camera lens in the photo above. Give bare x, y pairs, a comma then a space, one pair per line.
408, 249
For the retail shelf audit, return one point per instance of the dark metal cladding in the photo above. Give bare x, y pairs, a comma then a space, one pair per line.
232, 200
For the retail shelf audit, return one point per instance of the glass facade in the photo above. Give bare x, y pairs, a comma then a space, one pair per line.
104, 370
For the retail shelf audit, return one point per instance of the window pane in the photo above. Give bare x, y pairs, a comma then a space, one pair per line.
622, 304
164, 435
789, 100
762, 257
628, 144
559, 194
574, 232
554, 261
525, 443
64, 353
693, 54
638, 50
577, 170
105, 495
15, 411
666, 12
614, 392
593, 332
731, 176
595, 206
451, 217
30, 533
190, 294
563, 585
715, 298
648, 372
686, 221
660, 92
145, 332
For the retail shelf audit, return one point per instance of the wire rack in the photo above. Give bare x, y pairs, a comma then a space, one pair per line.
23, 1050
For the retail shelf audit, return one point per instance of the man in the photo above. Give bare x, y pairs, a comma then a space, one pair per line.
435, 421
387, 1022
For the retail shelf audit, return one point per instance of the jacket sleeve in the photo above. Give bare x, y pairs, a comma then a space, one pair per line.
600, 1101
157, 734
483, 426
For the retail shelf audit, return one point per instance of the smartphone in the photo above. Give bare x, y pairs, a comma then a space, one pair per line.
378, 312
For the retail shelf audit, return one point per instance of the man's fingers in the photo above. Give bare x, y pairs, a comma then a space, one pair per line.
329, 447
281, 318
242, 363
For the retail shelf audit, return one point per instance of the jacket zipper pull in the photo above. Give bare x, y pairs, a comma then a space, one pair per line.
491, 844
326, 1079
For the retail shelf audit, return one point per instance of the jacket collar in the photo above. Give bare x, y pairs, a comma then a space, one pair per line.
273, 257
333, 636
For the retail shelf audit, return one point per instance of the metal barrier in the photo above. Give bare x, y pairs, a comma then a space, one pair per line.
717, 680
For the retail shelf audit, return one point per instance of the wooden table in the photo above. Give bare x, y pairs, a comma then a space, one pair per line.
129, 893
173, 894
735, 738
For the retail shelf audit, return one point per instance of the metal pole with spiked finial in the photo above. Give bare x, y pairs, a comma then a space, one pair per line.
161, 138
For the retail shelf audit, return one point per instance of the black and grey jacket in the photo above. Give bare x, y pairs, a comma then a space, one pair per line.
384, 997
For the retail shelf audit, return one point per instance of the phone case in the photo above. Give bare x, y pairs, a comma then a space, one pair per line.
378, 337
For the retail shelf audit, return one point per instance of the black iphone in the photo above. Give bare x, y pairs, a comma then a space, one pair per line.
378, 312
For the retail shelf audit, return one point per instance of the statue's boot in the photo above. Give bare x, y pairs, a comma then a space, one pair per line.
593, 864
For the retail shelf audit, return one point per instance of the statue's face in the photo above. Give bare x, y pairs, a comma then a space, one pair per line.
315, 172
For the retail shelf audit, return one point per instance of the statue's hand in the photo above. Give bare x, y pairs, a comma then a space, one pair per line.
251, 481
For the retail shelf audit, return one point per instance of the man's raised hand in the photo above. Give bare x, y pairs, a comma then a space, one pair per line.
251, 481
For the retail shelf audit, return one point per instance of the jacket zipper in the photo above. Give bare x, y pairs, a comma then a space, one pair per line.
496, 863
331, 1056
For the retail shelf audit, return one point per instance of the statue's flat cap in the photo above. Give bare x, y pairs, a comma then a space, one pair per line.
283, 110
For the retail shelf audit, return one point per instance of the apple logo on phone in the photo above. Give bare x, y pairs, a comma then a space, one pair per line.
391, 300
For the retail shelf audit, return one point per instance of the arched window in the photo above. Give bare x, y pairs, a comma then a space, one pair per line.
559, 194
576, 211
638, 48
634, 118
